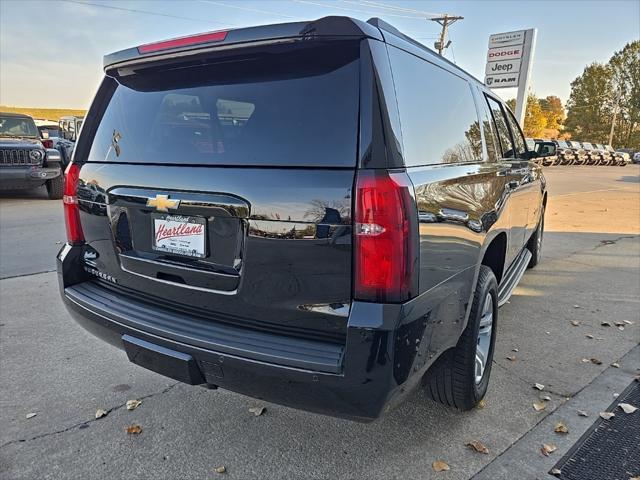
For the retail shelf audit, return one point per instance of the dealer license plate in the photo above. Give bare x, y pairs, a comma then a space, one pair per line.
179, 235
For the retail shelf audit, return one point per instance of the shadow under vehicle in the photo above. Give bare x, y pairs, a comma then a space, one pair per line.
24, 161
333, 270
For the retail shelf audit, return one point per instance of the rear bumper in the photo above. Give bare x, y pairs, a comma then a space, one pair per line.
27, 176
383, 358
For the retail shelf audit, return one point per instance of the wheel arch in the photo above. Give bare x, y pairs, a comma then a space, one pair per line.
494, 254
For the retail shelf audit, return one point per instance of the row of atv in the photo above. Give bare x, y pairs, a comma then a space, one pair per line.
571, 152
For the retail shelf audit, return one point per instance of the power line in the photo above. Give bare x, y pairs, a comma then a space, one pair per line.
265, 12
369, 12
147, 12
368, 3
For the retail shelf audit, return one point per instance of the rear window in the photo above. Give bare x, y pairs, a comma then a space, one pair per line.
279, 109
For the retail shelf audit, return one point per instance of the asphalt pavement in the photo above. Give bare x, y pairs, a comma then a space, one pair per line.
590, 272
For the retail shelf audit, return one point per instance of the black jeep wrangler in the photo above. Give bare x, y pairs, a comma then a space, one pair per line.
320, 214
24, 161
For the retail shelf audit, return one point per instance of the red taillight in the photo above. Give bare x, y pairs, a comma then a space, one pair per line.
71, 209
384, 236
183, 42
47, 143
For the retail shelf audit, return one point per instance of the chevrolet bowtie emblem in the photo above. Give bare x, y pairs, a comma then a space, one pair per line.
162, 203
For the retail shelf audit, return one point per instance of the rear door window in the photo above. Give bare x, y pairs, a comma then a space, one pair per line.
438, 115
288, 108
502, 129
518, 138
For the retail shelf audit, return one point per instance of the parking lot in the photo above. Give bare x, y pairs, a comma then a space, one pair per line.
50, 366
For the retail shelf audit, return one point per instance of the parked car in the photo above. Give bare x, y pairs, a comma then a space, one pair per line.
606, 158
70, 126
333, 270
52, 137
580, 154
24, 161
545, 149
566, 155
636, 157
619, 157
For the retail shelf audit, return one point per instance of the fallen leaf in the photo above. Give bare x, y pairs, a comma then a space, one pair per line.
575, 323
576, 306
546, 398
607, 415
628, 322
512, 358
31, 415
588, 335
482, 403
134, 429
257, 411
605, 324
615, 365
514, 350
538, 406
560, 428
595, 361
619, 324
621, 329
556, 471
582, 413
628, 408
585, 360
478, 447
101, 413
220, 469
538, 386
548, 448
133, 404
440, 466
615, 395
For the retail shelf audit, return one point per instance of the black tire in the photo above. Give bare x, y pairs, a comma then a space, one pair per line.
535, 242
452, 379
55, 187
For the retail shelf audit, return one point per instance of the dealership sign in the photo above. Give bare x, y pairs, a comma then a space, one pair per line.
509, 60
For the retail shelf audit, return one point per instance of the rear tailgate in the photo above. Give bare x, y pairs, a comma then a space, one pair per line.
224, 188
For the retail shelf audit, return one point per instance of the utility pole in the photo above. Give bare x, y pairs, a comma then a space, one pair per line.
615, 114
445, 21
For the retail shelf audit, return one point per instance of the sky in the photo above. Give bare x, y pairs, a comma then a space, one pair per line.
51, 50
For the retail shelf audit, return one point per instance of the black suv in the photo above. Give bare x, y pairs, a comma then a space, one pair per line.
24, 161
321, 215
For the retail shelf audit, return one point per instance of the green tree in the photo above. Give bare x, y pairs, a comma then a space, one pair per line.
589, 108
534, 119
553, 111
625, 71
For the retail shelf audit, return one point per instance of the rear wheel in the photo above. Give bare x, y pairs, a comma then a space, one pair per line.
460, 377
55, 187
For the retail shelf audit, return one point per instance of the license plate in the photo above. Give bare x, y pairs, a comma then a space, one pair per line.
179, 235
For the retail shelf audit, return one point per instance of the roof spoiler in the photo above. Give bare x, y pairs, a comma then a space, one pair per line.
333, 26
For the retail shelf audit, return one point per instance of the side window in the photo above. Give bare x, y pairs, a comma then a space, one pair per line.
438, 115
490, 135
518, 138
504, 136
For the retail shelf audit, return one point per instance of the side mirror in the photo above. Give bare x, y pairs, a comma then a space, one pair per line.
53, 155
546, 149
